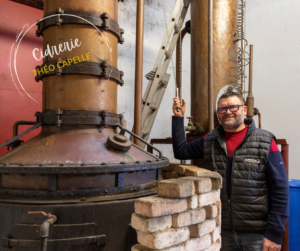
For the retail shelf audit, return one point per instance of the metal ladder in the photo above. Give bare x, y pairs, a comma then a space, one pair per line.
158, 78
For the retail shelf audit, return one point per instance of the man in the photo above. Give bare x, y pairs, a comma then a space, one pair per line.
255, 187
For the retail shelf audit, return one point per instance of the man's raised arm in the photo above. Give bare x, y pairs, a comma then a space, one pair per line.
182, 149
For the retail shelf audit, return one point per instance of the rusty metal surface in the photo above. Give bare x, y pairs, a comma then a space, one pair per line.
81, 92
85, 181
68, 169
28, 182
97, 6
225, 53
159, 141
132, 192
71, 145
145, 176
84, 195
101, 21
59, 244
14, 139
110, 219
139, 71
32, 3
73, 117
21, 122
100, 69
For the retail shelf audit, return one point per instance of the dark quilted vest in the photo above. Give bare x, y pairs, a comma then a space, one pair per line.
247, 209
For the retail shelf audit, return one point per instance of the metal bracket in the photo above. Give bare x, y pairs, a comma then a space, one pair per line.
74, 117
101, 69
99, 240
101, 21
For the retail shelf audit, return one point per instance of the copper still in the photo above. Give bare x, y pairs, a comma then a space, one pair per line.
81, 168
224, 56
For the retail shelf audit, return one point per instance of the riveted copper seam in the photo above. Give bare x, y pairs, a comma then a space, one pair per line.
139, 70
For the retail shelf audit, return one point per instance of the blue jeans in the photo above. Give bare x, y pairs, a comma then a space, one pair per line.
237, 241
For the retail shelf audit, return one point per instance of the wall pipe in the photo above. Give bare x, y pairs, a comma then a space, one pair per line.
250, 98
21, 122
139, 70
179, 62
210, 67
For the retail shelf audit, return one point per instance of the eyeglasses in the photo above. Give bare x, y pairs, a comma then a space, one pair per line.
232, 108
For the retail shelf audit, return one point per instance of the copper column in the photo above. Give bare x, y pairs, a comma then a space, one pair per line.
210, 66
220, 69
139, 70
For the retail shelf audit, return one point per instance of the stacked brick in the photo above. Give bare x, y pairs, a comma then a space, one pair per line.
176, 170
185, 216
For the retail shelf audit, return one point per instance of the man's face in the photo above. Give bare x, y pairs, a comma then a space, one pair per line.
229, 119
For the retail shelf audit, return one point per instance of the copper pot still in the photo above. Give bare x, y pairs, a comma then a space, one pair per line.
81, 167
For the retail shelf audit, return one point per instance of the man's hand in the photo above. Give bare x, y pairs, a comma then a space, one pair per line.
179, 107
270, 246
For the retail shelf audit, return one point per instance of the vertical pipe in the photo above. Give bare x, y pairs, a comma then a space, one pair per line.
250, 69
243, 50
210, 67
138, 70
250, 98
179, 62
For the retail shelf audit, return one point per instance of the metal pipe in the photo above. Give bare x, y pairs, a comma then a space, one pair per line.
123, 130
259, 119
243, 50
20, 135
21, 122
44, 231
210, 66
139, 70
179, 62
250, 69
250, 98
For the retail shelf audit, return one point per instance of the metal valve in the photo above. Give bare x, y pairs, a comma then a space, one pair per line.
190, 126
47, 216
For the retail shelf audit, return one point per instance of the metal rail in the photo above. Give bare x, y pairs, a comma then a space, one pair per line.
21, 135
137, 137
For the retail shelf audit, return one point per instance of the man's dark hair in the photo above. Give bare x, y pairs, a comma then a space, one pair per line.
232, 94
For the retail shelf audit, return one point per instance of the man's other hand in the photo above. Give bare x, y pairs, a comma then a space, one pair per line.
270, 246
178, 109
